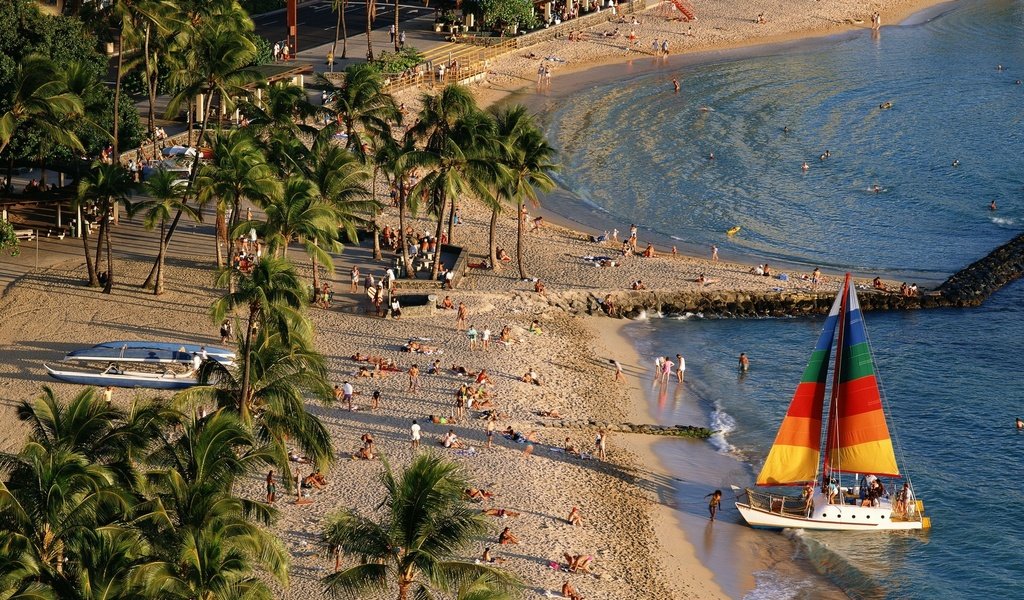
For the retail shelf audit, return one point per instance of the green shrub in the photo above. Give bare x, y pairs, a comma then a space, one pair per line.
396, 62
8, 240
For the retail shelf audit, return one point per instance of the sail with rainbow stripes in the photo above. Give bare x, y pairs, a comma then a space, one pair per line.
793, 459
858, 437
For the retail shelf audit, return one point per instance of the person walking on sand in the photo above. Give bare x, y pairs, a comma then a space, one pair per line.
680, 367
472, 335
414, 378
415, 431
271, 487
666, 369
600, 444
355, 279
714, 253
225, 331
619, 375
460, 317
346, 394
490, 427
714, 503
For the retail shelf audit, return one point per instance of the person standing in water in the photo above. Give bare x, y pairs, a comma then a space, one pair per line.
744, 362
675, 84
714, 503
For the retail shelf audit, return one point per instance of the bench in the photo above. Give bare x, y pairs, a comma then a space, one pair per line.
25, 234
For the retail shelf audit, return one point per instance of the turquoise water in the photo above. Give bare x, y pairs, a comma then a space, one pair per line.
636, 152
639, 153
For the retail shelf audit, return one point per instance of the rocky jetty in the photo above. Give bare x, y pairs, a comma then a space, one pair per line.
689, 431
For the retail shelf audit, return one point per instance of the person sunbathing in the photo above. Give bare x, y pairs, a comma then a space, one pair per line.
649, 251
315, 480
501, 513
503, 256
460, 370
531, 377
366, 452
578, 563
535, 327
484, 378
570, 592
487, 558
360, 357
292, 456
506, 537
551, 414
478, 494
447, 303
365, 372
575, 518
570, 448
450, 440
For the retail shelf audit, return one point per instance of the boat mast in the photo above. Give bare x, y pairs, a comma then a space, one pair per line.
832, 435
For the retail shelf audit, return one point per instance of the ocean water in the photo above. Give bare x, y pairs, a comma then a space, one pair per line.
636, 152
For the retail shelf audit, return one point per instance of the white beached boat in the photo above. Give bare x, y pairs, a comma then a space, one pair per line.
162, 353
168, 380
857, 441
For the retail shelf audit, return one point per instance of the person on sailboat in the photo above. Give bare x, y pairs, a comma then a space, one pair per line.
807, 495
904, 498
832, 491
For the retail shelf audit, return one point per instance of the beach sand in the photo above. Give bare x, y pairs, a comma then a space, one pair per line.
629, 502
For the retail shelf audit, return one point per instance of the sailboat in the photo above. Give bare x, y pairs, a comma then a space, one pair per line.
857, 443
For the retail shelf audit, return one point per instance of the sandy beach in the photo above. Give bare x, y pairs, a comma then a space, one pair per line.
643, 546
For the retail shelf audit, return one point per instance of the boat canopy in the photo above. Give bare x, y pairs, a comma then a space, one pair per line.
155, 352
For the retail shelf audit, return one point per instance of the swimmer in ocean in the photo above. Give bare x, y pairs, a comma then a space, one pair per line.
711, 156
876, 188
785, 129
956, 162
675, 83
805, 166
992, 205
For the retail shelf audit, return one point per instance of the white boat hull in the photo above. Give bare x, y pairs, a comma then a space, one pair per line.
830, 517
125, 379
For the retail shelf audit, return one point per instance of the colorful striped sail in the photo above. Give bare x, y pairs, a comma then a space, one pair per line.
858, 439
793, 459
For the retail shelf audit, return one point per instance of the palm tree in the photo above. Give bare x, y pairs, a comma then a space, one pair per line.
394, 157
371, 12
278, 123
341, 180
39, 100
456, 156
364, 107
105, 185
166, 197
238, 171
210, 541
396, 27
272, 297
528, 159
299, 212
282, 374
414, 545
341, 29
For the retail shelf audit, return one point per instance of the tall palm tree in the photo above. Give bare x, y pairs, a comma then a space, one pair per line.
105, 185
394, 157
298, 212
455, 156
364, 108
237, 172
371, 13
340, 29
278, 122
272, 297
341, 179
415, 543
210, 541
528, 159
281, 377
39, 100
165, 193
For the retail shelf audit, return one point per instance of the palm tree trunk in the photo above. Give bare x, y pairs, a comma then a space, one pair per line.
337, 33
152, 79
243, 408
89, 266
436, 268
110, 264
519, 242
188, 189
402, 200
221, 225
316, 275
159, 287
492, 236
101, 236
344, 30
377, 253
369, 29
396, 26
451, 223
117, 92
